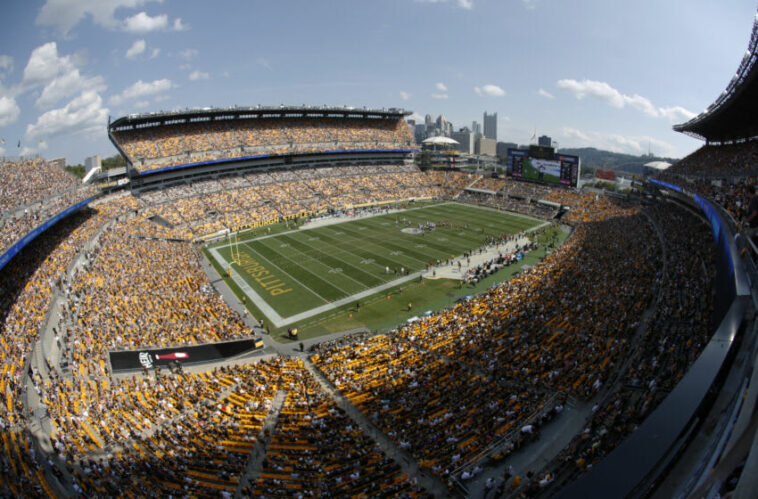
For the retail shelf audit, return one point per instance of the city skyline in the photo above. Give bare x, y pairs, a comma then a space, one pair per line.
614, 76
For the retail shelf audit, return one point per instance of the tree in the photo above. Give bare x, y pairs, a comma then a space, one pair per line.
77, 170
115, 161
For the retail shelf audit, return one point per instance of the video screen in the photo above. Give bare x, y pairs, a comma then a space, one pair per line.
562, 170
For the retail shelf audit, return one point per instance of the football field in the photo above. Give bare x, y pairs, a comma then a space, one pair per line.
298, 274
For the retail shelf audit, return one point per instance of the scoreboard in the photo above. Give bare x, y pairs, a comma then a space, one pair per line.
561, 169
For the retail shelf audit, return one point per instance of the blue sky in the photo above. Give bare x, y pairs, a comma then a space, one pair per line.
610, 74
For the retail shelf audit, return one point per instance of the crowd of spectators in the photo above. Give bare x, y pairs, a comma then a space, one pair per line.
445, 388
209, 206
180, 433
27, 286
160, 147
452, 182
512, 347
671, 341
31, 192
729, 160
519, 205
174, 433
27, 181
732, 194
489, 184
316, 449
116, 305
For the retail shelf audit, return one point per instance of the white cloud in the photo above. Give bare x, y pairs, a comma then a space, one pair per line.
544, 93
141, 104
141, 89
84, 114
264, 62
44, 65
677, 113
404, 95
27, 151
9, 111
574, 133
198, 75
188, 54
65, 14
440, 86
66, 85
439, 96
154, 53
59, 75
143, 23
489, 91
603, 91
590, 88
6, 62
136, 49
572, 137
464, 4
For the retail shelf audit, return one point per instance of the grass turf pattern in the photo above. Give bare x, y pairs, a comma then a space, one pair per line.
299, 270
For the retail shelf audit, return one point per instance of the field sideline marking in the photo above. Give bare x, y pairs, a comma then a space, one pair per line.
280, 321
395, 242
257, 300
336, 251
370, 215
285, 272
348, 299
318, 262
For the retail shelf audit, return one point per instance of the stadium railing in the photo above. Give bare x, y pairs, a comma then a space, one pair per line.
639, 464
24, 241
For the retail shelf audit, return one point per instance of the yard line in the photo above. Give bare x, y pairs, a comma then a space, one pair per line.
368, 239
465, 242
340, 290
347, 219
287, 273
246, 288
507, 212
336, 251
362, 285
457, 244
365, 253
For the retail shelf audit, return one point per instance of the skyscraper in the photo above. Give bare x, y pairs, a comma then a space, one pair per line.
490, 125
476, 128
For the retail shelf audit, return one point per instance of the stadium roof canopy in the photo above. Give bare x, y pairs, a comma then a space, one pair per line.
440, 141
208, 114
732, 116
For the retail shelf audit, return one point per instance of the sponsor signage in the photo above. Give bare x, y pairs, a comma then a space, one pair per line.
133, 360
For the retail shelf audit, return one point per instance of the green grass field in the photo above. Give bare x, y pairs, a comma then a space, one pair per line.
313, 273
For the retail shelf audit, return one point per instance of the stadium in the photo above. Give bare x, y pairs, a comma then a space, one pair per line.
279, 302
